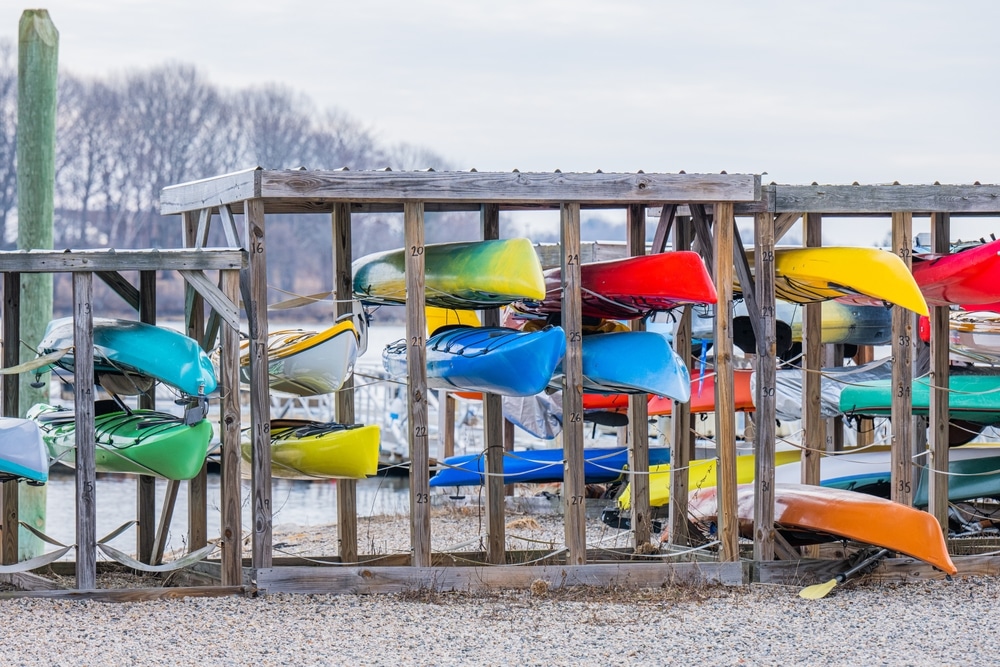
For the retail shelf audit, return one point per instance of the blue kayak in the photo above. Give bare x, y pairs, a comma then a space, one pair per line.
125, 348
539, 466
633, 362
497, 360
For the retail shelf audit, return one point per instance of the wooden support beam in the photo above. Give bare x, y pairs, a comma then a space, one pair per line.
667, 214
9, 504
209, 293
496, 536
145, 492
937, 461
574, 487
166, 516
703, 241
865, 425
902, 369
86, 447
508, 446
231, 527
783, 223
416, 363
638, 411
347, 489
725, 415
680, 420
122, 287
813, 425
197, 486
260, 404
765, 400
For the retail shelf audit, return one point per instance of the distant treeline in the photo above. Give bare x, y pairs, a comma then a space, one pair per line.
122, 139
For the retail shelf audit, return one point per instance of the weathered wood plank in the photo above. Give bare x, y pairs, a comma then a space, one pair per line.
813, 425
364, 580
765, 400
145, 494
131, 594
120, 286
86, 447
9, 503
225, 307
937, 464
28, 581
887, 198
449, 186
638, 410
68, 261
231, 528
195, 326
166, 516
808, 572
680, 420
902, 374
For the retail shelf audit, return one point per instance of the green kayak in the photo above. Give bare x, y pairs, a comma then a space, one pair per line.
972, 398
139, 442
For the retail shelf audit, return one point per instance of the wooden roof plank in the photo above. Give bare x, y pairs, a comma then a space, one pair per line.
68, 261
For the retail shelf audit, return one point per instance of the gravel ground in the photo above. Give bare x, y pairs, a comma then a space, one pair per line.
926, 623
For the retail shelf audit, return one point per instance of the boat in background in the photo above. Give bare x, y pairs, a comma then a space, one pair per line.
22, 452
632, 287
128, 355
968, 276
140, 442
497, 360
302, 449
469, 274
815, 514
538, 466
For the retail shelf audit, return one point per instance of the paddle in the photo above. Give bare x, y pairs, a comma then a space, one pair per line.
36, 363
817, 591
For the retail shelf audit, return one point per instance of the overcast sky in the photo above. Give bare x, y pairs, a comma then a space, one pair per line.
875, 91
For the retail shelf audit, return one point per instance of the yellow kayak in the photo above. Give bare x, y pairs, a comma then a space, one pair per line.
702, 474
302, 449
864, 276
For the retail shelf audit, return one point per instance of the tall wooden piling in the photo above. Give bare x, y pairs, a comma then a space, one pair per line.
638, 410
937, 461
493, 438
902, 369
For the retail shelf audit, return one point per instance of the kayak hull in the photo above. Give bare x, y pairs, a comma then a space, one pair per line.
22, 451
970, 276
302, 449
973, 398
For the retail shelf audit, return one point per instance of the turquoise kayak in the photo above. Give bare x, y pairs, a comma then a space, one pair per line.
131, 352
973, 398
22, 452
496, 360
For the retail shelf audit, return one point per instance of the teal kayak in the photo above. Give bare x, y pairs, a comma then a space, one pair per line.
22, 452
125, 349
972, 398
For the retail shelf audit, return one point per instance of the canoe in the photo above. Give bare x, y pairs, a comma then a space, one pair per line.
143, 442
471, 275
972, 336
702, 397
632, 287
973, 398
814, 514
22, 452
863, 276
540, 466
307, 363
969, 275
122, 350
632, 362
302, 449
486, 359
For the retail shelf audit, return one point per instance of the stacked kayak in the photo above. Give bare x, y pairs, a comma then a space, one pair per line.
22, 452
128, 350
601, 464
632, 287
632, 362
143, 442
969, 276
302, 449
472, 275
973, 397
486, 359
702, 396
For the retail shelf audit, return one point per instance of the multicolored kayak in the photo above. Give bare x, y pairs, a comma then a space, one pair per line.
969, 275
539, 466
141, 442
126, 349
814, 514
302, 449
491, 359
972, 398
22, 452
972, 336
632, 287
472, 275
307, 363
864, 276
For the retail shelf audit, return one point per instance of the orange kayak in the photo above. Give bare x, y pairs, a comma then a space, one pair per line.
703, 394
815, 514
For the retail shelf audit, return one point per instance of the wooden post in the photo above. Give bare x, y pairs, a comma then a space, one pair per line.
813, 426
835, 425
37, 69
496, 536
937, 463
902, 368
508, 446
11, 332
86, 447
347, 489
145, 492
680, 421
764, 434
638, 409
446, 423
260, 404
574, 493
416, 364
231, 528
725, 415
195, 324
866, 425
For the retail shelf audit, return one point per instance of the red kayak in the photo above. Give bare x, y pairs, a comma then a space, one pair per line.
970, 276
630, 288
703, 394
